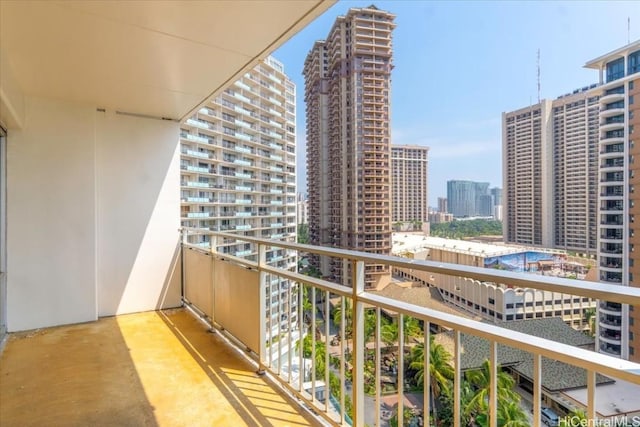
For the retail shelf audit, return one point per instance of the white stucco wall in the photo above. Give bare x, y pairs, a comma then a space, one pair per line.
93, 215
138, 182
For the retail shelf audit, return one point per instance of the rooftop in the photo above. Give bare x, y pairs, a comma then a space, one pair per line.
556, 376
614, 54
404, 242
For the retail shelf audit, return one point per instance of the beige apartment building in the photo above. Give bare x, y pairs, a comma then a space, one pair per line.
409, 169
582, 147
527, 175
237, 167
347, 94
575, 171
550, 164
619, 77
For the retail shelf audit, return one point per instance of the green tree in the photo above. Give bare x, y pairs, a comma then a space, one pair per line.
440, 369
307, 353
393, 421
303, 233
468, 228
480, 380
590, 318
337, 316
510, 414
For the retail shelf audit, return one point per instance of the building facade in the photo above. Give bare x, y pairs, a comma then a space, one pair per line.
466, 199
618, 204
527, 179
237, 165
347, 94
570, 177
302, 209
443, 206
409, 179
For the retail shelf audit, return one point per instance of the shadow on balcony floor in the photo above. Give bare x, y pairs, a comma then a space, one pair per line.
146, 369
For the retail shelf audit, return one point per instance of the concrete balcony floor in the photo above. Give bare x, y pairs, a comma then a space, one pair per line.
147, 369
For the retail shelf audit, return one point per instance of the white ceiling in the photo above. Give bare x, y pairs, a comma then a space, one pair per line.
158, 58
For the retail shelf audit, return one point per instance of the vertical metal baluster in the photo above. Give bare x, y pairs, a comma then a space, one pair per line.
456, 379
426, 375
289, 327
301, 328
313, 343
342, 361
262, 257
591, 395
400, 370
493, 385
357, 334
537, 389
327, 316
377, 374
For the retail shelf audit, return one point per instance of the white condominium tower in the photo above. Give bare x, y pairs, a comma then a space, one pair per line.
347, 94
527, 188
618, 330
550, 164
238, 167
409, 170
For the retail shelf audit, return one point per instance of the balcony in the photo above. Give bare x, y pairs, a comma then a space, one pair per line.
97, 256
150, 368
273, 340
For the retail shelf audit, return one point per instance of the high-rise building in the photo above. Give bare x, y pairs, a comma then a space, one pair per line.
569, 171
302, 209
575, 171
550, 162
465, 198
409, 167
238, 166
347, 94
527, 179
496, 208
618, 330
443, 205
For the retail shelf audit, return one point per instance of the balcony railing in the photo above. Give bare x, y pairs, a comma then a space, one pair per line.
217, 285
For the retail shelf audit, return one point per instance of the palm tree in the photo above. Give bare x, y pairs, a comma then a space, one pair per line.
590, 318
510, 414
321, 350
411, 329
337, 316
389, 333
440, 370
481, 380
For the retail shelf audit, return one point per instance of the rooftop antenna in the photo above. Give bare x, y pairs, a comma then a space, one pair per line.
538, 65
628, 29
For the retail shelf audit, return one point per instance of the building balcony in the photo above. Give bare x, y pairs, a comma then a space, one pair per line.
256, 334
153, 368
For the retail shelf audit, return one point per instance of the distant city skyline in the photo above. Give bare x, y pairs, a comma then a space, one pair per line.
456, 109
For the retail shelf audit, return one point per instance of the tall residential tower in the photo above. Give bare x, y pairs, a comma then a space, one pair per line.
238, 167
409, 169
347, 94
619, 205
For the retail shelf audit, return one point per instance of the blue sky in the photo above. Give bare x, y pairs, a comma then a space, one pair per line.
459, 65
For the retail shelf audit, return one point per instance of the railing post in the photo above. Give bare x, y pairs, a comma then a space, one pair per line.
357, 331
183, 262
262, 262
591, 395
537, 389
493, 384
457, 378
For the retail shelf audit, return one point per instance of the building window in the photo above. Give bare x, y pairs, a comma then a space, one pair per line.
633, 64
615, 69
